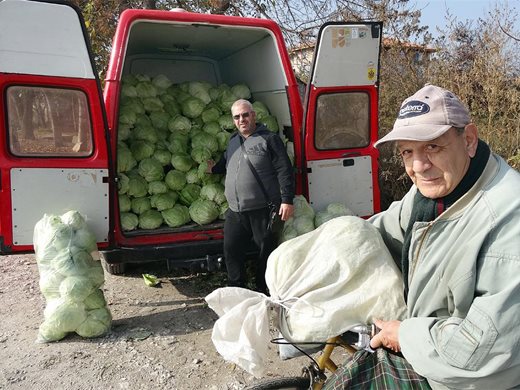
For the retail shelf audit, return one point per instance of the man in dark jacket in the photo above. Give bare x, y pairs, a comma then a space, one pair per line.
248, 213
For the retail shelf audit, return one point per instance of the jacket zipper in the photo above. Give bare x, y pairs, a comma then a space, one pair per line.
414, 264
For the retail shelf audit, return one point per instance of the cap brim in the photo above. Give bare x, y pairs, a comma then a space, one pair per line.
420, 132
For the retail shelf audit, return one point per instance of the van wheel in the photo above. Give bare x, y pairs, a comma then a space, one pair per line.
115, 268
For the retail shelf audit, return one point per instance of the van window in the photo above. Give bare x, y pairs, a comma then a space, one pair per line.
49, 122
342, 121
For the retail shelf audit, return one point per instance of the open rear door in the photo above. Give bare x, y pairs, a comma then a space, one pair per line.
53, 153
341, 119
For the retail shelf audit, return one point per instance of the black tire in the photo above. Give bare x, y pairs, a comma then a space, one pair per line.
290, 383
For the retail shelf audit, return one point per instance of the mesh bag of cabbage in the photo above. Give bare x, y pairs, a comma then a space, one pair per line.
71, 277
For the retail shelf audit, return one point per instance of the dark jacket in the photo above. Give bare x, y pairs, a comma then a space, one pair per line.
267, 153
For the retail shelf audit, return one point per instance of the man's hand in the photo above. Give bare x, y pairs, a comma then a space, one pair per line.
388, 336
211, 164
286, 211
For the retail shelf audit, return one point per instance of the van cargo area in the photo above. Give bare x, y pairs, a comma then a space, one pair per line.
161, 63
214, 55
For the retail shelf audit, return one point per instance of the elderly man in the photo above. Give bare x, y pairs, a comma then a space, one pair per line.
259, 172
456, 237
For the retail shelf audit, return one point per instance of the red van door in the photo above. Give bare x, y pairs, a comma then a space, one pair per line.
53, 154
341, 118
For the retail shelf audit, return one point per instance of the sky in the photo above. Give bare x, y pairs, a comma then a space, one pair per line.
434, 11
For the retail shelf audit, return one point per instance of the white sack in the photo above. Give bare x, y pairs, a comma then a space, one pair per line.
332, 278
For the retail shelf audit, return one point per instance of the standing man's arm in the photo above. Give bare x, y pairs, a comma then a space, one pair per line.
284, 171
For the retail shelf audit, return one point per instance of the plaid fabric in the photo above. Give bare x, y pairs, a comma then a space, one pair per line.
380, 370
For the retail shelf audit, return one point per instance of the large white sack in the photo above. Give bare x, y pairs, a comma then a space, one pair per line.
328, 280
343, 275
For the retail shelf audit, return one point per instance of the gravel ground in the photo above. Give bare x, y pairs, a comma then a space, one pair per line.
160, 337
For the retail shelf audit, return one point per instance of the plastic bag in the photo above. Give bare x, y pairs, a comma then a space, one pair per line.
328, 280
70, 278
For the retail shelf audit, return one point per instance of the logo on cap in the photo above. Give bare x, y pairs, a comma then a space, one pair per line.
413, 108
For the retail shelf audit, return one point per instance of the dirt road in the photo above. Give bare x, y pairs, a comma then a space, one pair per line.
160, 337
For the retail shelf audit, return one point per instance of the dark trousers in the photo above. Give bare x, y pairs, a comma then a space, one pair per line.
239, 228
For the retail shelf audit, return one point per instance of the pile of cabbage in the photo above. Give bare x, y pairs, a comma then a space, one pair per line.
305, 219
70, 278
167, 133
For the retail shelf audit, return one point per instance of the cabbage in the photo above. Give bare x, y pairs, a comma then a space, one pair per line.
210, 114
227, 99
163, 156
200, 90
214, 192
261, 110
160, 119
304, 224
161, 81
162, 202
48, 332
182, 162
145, 132
128, 91
223, 140
200, 154
102, 315
82, 259
96, 275
129, 221
338, 209
170, 105
302, 207
140, 205
150, 169
192, 176
92, 328
241, 91
179, 124
223, 208
76, 288
150, 219
50, 284
146, 89
212, 128
125, 160
142, 149
175, 180
133, 104
127, 115
189, 194
137, 186
177, 216
123, 132
192, 107
63, 315
226, 122
271, 123
74, 219
95, 300
97, 323
157, 187
143, 120
152, 104
204, 211
122, 183
203, 139
129, 79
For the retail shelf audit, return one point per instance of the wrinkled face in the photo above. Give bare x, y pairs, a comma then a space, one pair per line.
436, 167
245, 120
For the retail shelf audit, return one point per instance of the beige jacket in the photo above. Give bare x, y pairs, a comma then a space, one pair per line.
463, 326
